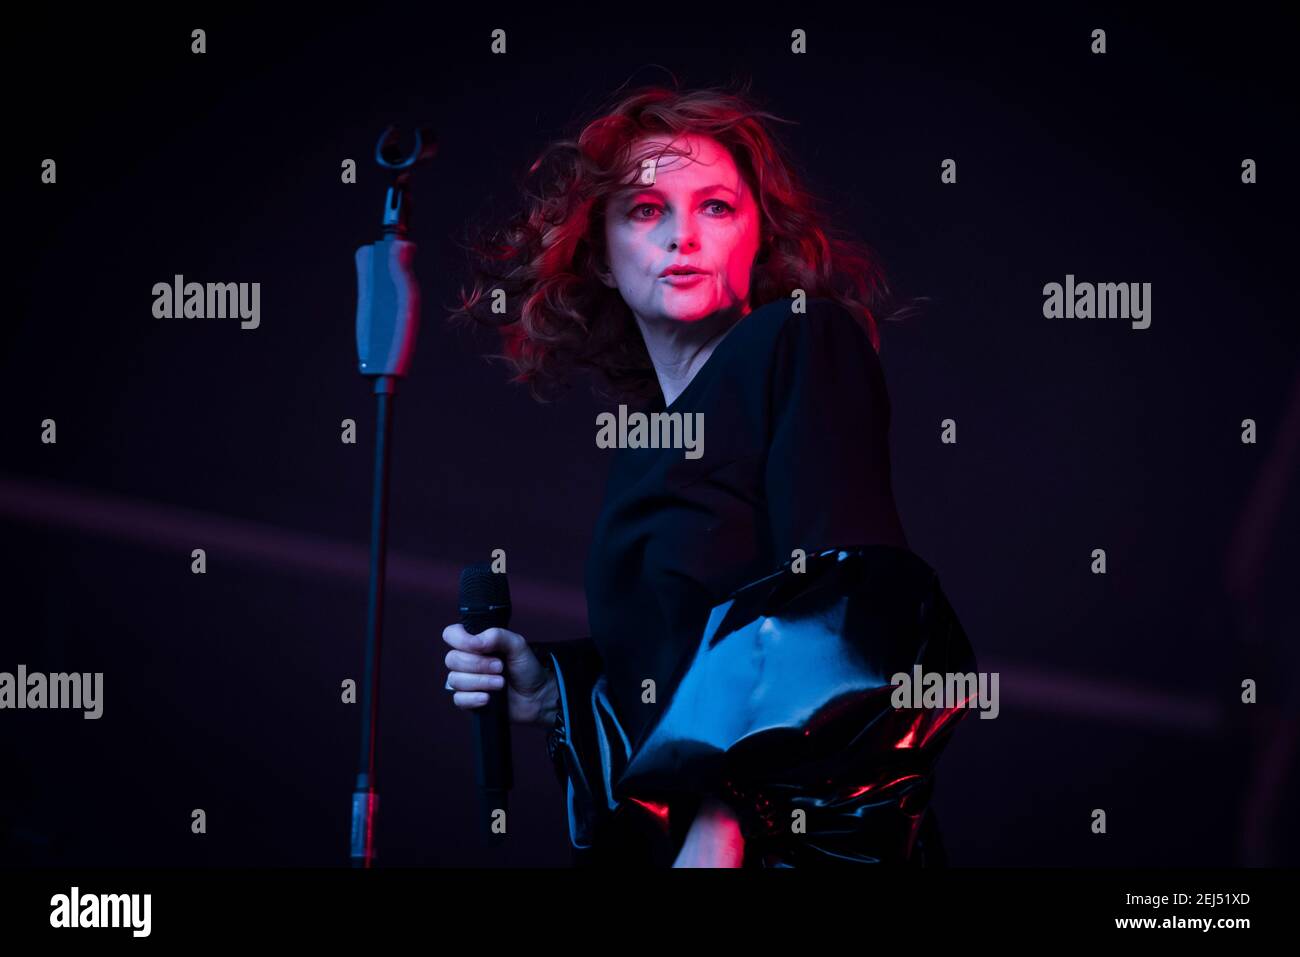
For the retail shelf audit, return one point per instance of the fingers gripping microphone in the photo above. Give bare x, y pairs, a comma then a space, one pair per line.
484, 604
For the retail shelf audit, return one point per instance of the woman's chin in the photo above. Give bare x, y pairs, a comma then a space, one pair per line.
685, 307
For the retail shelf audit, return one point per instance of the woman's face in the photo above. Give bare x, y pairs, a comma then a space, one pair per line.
699, 212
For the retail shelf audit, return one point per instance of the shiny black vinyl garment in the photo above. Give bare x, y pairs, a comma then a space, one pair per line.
795, 455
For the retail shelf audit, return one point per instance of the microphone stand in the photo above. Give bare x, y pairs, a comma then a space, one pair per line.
388, 317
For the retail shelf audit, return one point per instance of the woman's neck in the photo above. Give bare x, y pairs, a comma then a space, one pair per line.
679, 350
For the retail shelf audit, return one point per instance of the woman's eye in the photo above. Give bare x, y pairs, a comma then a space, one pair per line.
635, 210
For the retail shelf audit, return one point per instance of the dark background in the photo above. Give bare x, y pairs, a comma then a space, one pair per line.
222, 691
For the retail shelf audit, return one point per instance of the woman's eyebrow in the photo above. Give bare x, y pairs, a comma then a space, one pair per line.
633, 191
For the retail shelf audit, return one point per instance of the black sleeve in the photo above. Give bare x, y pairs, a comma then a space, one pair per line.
827, 477
577, 666
846, 777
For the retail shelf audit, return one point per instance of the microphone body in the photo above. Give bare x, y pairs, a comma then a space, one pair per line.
485, 603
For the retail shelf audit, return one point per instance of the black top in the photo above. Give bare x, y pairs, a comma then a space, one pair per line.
795, 455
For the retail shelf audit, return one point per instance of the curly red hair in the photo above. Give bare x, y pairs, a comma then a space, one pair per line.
558, 318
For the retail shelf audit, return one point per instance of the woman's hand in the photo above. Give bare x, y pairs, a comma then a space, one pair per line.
494, 659
714, 839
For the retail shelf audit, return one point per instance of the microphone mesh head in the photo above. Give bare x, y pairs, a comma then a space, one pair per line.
480, 586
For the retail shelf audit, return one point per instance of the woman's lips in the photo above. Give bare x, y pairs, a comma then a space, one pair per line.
682, 278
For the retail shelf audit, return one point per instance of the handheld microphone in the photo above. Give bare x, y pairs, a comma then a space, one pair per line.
484, 604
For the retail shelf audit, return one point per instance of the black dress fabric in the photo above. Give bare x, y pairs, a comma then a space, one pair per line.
795, 456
